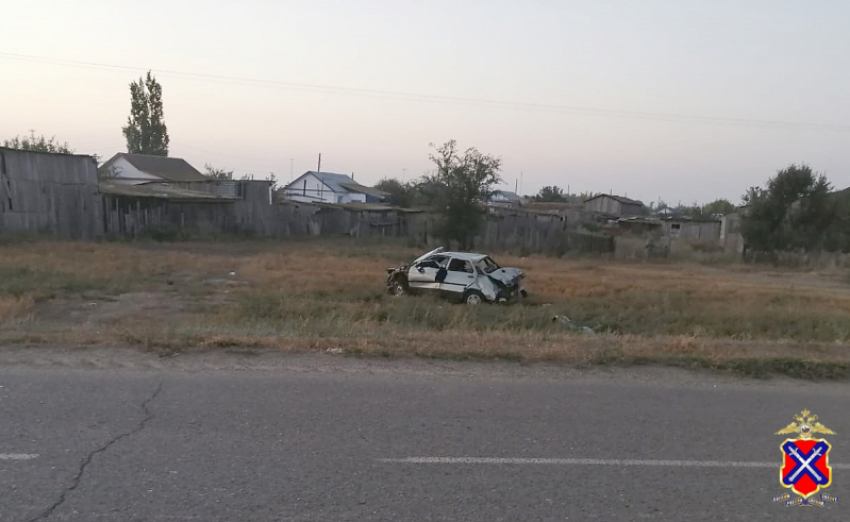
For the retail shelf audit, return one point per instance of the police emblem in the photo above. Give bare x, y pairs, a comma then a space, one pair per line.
805, 461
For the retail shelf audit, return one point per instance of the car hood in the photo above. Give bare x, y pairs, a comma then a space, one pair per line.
508, 276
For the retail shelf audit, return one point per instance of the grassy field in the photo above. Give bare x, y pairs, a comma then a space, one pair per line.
329, 295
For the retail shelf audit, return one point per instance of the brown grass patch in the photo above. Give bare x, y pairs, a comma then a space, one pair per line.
16, 308
307, 296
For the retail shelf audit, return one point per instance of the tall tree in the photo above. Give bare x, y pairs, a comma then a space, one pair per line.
399, 194
553, 194
793, 212
459, 185
145, 131
37, 144
719, 207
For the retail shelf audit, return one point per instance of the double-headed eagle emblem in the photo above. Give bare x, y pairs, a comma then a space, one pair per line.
805, 425
805, 461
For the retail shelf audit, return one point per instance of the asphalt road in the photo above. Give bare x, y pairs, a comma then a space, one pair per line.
328, 445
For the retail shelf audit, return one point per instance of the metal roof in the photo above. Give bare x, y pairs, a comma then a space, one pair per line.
159, 191
339, 183
333, 181
510, 196
353, 186
621, 199
170, 169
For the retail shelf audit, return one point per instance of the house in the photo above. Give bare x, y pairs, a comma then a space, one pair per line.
616, 206
505, 197
136, 169
327, 187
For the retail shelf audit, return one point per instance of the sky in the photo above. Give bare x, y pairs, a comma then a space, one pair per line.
678, 100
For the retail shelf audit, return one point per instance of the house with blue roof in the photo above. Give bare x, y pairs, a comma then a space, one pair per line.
327, 187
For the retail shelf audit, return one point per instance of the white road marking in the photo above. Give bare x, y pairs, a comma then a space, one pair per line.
17, 456
592, 462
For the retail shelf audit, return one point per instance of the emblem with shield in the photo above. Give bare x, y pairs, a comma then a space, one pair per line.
805, 460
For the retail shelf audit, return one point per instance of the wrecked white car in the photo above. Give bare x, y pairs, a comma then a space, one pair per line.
460, 276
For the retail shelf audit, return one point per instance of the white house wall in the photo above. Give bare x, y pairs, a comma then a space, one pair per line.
309, 189
125, 173
353, 197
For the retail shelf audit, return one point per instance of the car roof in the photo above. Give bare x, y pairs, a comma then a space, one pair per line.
469, 256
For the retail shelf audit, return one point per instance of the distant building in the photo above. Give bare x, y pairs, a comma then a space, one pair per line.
137, 169
639, 225
327, 187
615, 206
693, 230
506, 196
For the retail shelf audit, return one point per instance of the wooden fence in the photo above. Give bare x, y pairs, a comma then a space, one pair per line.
50, 194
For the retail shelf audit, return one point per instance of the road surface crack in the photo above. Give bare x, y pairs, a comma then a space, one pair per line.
75, 482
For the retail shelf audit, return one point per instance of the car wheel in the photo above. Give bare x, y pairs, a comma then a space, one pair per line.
398, 288
473, 298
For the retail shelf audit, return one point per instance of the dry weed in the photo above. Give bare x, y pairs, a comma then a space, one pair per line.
15, 309
299, 296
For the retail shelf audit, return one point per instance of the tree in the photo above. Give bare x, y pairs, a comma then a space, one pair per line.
793, 212
719, 207
693, 211
458, 187
37, 144
399, 194
217, 173
552, 194
145, 130
273, 179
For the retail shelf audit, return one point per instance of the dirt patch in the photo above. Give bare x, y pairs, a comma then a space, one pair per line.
113, 309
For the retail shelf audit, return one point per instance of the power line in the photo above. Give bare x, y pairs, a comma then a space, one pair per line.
438, 98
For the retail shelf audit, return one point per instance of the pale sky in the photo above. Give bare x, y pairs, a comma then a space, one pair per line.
682, 100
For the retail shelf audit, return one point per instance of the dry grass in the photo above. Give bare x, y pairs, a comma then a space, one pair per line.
16, 308
307, 296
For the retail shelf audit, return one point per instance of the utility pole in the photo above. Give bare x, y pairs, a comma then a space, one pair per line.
319, 168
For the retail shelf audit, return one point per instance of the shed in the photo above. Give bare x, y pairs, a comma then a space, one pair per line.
616, 206
693, 230
639, 225
130, 210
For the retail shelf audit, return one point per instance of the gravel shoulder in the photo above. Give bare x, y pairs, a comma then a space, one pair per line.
269, 362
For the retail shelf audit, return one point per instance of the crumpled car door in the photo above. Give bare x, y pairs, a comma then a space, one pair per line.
459, 276
423, 275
